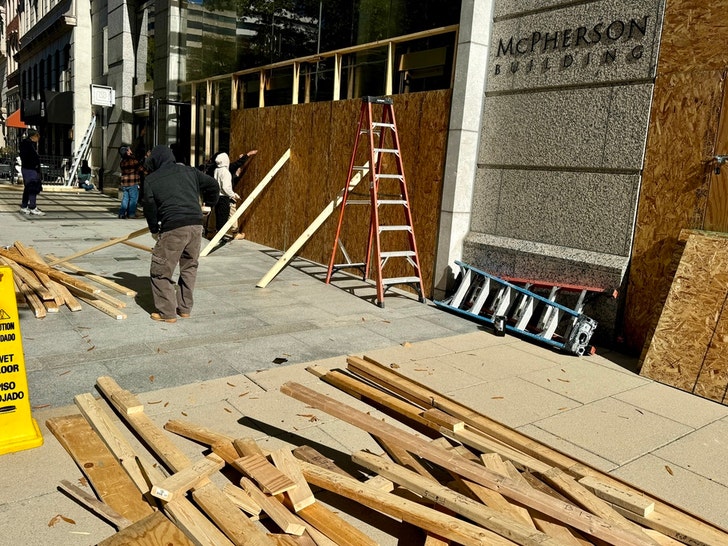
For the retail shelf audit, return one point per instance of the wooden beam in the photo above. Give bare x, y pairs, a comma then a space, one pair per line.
301, 495
52, 273
666, 518
238, 528
490, 519
107, 244
248, 200
444, 525
180, 482
104, 307
634, 502
96, 278
152, 530
275, 510
267, 476
140, 246
310, 230
565, 512
95, 505
242, 499
195, 525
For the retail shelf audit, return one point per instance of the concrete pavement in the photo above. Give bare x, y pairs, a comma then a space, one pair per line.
223, 367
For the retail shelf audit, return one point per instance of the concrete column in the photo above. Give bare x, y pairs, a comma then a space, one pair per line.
476, 18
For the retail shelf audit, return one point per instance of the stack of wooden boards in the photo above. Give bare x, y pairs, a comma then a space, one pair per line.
45, 288
458, 476
689, 347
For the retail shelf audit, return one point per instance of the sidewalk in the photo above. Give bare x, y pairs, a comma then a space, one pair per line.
223, 368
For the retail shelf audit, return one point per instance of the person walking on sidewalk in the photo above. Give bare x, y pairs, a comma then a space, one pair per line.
172, 209
30, 168
131, 171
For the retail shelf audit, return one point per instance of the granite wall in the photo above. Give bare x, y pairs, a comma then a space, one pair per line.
565, 116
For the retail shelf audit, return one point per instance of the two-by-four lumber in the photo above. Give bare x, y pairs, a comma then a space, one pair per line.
317, 515
283, 518
54, 274
236, 526
180, 482
195, 525
108, 478
63, 294
301, 495
29, 278
27, 293
104, 307
267, 476
242, 500
490, 519
107, 244
666, 518
95, 505
310, 230
96, 278
409, 511
246, 203
45, 280
141, 471
568, 513
632, 501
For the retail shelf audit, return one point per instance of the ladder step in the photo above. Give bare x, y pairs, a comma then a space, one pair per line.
358, 202
379, 124
387, 150
392, 202
395, 228
400, 280
397, 254
392, 176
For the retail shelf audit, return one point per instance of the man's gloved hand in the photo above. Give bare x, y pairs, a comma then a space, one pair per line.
155, 236
206, 209
236, 197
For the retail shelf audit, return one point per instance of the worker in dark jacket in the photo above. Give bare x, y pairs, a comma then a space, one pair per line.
172, 208
30, 168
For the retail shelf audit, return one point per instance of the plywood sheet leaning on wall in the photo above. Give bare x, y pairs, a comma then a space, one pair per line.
674, 190
688, 348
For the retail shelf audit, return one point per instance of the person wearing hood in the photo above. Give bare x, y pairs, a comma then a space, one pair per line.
131, 170
225, 172
172, 209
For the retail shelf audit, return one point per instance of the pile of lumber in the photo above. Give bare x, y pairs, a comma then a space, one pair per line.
45, 288
456, 476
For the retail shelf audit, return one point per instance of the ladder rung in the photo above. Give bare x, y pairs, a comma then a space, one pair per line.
400, 280
394, 176
387, 150
397, 254
358, 202
395, 228
360, 168
379, 124
391, 202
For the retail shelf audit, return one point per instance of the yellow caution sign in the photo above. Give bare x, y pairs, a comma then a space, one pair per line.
18, 429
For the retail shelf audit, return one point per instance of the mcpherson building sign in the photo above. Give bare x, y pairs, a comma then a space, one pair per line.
577, 45
572, 47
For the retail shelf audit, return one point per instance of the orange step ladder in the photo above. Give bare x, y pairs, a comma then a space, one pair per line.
391, 240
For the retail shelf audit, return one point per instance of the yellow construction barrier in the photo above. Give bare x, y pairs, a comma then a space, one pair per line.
18, 429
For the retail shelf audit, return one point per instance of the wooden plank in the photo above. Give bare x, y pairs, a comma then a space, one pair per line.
639, 504
108, 478
104, 307
140, 471
30, 279
267, 476
247, 447
54, 274
246, 203
666, 518
242, 500
195, 525
333, 526
154, 530
493, 462
493, 520
180, 482
431, 520
310, 230
138, 245
238, 528
31, 254
68, 299
33, 300
275, 510
565, 512
443, 420
301, 495
96, 278
107, 244
104, 298
95, 505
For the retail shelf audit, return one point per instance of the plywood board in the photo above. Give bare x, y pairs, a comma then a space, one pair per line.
689, 319
321, 138
154, 530
108, 478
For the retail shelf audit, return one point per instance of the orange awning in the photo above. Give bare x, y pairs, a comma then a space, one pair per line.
14, 120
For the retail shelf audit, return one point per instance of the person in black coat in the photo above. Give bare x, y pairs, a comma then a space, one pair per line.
30, 169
